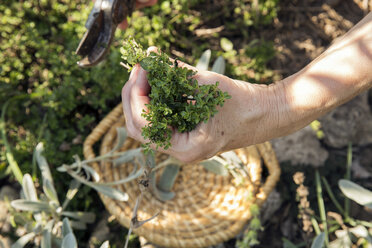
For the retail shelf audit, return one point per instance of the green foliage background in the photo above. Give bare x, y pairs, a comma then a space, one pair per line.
55, 101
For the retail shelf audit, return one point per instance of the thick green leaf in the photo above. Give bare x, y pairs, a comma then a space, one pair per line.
33, 206
66, 228
159, 194
29, 188
219, 65
226, 44
168, 178
356, 193
87, 217
50, 191
215, 166
110, 192
78, 225
121, 137
69, 241
105, 244
46, 241
21, 242
319, 241
43, 164
204, 60
128, 156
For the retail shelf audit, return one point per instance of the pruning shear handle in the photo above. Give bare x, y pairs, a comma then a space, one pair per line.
101, 25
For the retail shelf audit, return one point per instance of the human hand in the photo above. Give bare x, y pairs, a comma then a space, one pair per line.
139, 4
240, 122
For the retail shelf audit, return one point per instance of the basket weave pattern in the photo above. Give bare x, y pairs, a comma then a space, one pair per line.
207, 208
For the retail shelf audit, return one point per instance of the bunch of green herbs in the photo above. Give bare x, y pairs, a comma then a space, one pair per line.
176, 99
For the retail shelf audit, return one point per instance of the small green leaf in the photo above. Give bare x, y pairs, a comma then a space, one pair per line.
219, 65
29, 188
204, 60
146, 63
356, 193
87, 217
319, 241
72, 190
33, 206
215, 166
69, 241
226, 44
21, 242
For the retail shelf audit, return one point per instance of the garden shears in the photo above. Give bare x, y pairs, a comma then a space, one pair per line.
101, 25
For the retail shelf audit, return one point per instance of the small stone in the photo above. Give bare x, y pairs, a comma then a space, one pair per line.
77, 140
350, 122
300, 148
64, 147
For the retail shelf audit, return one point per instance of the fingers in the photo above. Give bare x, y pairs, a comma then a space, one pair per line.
134, 98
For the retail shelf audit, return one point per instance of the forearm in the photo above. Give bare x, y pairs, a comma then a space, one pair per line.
339, 74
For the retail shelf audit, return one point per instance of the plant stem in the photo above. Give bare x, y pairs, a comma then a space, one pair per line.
9, 155
316, 226
349, 160
332, 196
321, 206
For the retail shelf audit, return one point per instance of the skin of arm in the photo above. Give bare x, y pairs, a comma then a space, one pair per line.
257, 113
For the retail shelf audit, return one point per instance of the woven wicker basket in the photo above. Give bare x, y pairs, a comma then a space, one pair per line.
207, 209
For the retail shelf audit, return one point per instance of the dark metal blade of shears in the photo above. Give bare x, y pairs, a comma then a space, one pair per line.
101, 25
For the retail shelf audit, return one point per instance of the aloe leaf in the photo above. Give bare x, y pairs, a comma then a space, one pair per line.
105, 244
356, 193
168, 177
50, 191
28, 188
319, 241
204, 60
127, 156
66, 228
69, 241
43, 164
21, 242
87, 217
215, 167
33, 206
219, 65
